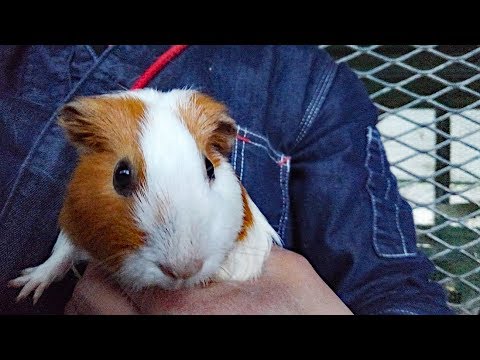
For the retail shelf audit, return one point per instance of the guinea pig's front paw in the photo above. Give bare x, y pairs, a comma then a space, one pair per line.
54, 268
35, 279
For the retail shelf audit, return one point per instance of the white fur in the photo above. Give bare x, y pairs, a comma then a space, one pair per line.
184, 216
246, 260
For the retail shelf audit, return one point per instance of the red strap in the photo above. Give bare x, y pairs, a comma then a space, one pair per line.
158, 65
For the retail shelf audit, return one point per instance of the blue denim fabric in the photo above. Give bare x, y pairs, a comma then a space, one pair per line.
308, 153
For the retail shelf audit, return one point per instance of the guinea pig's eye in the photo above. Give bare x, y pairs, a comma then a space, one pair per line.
123, 178
210, 169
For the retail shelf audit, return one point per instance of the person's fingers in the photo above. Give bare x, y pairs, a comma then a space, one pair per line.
96, 294
215, 298
259, 296
312, 294
194, 300
288, 285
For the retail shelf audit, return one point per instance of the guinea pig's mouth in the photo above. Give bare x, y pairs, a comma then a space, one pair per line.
139, 272
202, 277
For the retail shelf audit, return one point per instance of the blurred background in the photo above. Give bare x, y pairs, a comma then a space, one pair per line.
428, 98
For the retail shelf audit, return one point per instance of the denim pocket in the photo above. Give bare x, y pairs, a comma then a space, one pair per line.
264, 172
393, 227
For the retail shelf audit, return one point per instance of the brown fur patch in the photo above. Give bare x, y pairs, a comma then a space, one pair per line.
103, 123
247, 216
95, 217
211, 127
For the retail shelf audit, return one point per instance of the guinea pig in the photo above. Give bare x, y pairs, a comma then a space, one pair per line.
153, 198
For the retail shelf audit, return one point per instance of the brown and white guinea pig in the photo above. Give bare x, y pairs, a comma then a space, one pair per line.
153, 197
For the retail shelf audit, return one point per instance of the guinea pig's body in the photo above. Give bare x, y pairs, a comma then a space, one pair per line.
153, 197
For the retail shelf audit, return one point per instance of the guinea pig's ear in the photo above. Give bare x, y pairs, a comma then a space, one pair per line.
221, 127
223, 137
79, 119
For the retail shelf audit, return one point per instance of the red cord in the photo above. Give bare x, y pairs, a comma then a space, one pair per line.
158, 65
243, 138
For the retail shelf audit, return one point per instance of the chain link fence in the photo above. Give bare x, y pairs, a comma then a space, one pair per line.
428, 97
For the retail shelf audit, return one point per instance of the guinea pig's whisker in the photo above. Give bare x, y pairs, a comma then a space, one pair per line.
245, 246
249, 250
124, 293
109, 259
226, 271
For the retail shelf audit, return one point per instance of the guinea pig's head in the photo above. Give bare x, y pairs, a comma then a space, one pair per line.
153, 196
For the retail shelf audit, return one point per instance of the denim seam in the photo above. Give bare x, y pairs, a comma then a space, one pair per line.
92, 53
284, 175
46, 174
318, 99
268, 148
47, 126
384, 166
402, 311
283, 201
370, 139
243, 154
397, 221
280, 159
309, 110
388, 188
374, 208
287, 194
397, 210
235, 150
384, 170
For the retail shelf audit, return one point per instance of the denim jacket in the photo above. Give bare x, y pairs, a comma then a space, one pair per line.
308, 153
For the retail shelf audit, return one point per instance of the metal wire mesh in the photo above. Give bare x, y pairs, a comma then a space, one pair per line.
429, 102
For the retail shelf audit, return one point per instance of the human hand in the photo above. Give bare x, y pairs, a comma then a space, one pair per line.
288, 285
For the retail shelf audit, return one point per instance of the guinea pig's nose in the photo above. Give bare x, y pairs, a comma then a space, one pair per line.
182, 271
